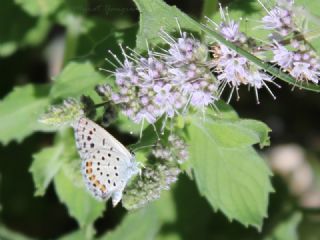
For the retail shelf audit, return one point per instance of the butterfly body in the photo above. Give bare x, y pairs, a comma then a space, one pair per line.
107, 165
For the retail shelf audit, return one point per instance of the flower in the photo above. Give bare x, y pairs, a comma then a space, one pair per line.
149, 186
176, 151
162, 83
301, 63
231, 68
304, 71
188, 60
280, 18
282, 56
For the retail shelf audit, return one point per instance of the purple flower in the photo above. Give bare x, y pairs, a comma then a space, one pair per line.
201, 98
301, 63
257, 79
304, 71
280, 18
282, 56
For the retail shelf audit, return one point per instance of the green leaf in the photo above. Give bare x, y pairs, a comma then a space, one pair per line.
259, 128
85, 234
100, 37
7, 234
18, 29
166, 207
239, 133
45, 166
71, 191
39, 7
155, 15
287, 229
141, 224
19, 112
234, 180
76, 79
169, 236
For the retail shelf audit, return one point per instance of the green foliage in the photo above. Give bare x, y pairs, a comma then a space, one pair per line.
76, 79
18, 29
7, 234
71, 191
156, 15
20, 110
141, 224
239, 133
39, 8
45, 166
231, 175
287, 229
84, 233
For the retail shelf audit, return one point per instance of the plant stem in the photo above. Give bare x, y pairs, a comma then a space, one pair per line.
100, 104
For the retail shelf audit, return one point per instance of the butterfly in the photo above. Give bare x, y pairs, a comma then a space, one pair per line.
107, 165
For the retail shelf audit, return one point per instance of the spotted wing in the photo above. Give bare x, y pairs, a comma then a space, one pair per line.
106, 173
90, 137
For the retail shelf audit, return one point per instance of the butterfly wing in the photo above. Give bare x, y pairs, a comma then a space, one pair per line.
90, 136
107, 165
106, 174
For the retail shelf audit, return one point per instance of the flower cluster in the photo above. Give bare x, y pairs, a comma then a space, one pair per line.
298, 59
163, 83
280, 19
160, 176
149, 187
176, 153
231, 68
302, 63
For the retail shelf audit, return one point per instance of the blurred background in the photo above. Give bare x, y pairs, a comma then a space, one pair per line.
34, 47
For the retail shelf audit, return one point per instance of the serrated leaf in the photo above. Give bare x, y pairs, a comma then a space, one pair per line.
259, 128
287, 229
155, 15
24, 30
231, 131
239, 133
40, 7
234, 180
137, 225
45, 165
80, 204
77, 78
19, 112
